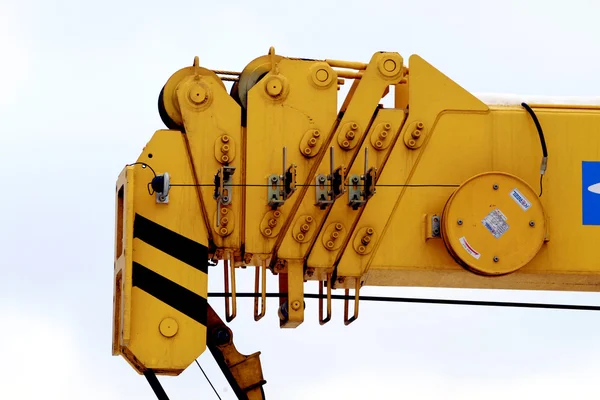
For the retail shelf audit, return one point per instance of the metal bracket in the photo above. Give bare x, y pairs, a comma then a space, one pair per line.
281, 187
330, 187
358, 193
161, 185
223, 192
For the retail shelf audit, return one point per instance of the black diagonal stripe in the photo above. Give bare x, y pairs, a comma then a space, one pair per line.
172, 243
167, 291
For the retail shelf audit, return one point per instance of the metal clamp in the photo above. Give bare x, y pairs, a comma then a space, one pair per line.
281, 187
223, 192
362, 187
161, 185
330, 187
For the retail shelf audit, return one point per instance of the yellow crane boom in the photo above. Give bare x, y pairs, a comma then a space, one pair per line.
440, 190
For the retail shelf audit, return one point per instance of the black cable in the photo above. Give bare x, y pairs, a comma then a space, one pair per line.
315, 185
211, 385
425, 301
144, 165
542, 141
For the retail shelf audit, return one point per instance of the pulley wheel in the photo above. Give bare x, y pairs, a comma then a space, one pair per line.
252, 74
493, 224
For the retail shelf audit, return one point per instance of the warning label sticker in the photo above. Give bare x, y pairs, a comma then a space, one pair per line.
520, 199
468, 248
495, 222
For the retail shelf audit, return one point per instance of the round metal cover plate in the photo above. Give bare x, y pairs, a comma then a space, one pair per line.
493, 224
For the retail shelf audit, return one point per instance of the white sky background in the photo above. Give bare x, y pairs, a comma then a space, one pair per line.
78, 88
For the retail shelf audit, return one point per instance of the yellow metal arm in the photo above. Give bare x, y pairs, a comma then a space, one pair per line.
440, 189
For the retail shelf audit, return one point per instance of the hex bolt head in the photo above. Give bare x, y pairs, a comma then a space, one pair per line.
496, 259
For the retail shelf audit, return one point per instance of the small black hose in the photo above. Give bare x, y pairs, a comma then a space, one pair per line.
539, 128
543, 143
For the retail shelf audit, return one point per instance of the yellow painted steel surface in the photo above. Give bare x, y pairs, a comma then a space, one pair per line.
438, 190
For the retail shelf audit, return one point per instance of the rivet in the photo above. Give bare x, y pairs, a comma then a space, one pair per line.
460, 222
295, 305
495, 186
496, 259
531, 223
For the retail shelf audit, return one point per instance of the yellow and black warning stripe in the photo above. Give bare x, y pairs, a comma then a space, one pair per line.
187, 251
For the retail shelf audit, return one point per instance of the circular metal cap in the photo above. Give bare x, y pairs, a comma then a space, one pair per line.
168, 327
486, 224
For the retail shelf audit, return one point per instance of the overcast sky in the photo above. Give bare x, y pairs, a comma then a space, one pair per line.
78, 87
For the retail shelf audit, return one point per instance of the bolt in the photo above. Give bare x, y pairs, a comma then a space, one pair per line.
304, 228
224, 138
197, 94
308, 219
365, 240
416, 134
361, 249
224, 211
495, 186
225, 148
224, 221
496, 259
307, 151
370, 231
350, 135
316, 133
274, 179
272, 222
388, 126
274, 87
383, 134
531, 223
345, 143
225, 199
329, 244
378, 144
268, 232
355, 179
389, 65
322, 179
412, 143
420, 125
335, 235
322, 75
295, 305
277, 214
312, 142
223, 231
436, 231
224, 158
300, 236
338, 227
354, 126
222, 336
436, 219
459, 222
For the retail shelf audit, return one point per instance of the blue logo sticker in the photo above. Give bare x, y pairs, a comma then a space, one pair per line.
590, 176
